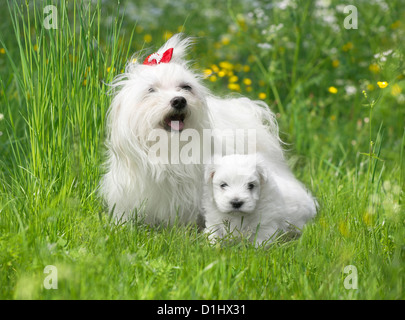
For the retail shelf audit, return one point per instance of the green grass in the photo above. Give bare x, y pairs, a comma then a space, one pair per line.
348, 147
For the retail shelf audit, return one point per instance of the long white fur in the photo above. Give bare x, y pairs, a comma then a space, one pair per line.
164, 193
274, 203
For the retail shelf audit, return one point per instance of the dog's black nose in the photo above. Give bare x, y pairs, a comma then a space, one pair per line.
236, 203
178, 103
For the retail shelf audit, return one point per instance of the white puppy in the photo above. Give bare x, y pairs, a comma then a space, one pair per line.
245, 196
157, 137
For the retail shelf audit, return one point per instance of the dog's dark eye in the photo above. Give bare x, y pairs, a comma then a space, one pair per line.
223, 185
186, 87
251, 186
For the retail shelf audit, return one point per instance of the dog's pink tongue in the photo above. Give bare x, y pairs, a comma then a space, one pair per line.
176, 125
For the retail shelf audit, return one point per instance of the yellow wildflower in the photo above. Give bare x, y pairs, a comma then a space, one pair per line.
207, 72
2, 51
396, 90
84, 82
35, 47
147, 38
333, 90
246, 68
222, 73
167, 35
343, 229
348, 46
247, 81
213, 78
368, 219
241, 20
382, 84
225, 40
374, 68
335, 63
396, 24
233, 79
234, 86
214, 68
226, 65
262, 95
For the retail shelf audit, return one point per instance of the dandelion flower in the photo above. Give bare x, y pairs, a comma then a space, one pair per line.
233, 79
147, 38
262, 95
247, 81
396, 24
213, 78
333, 90
167, 35
374, 68
225, 40
382, 84
222, 73
348, 46
207, 72
335, 63
2, 51
234, 86
396, 90
343, 229
226, 65
215, 68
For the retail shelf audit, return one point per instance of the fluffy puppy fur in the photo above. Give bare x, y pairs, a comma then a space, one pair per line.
134, 183
245, 196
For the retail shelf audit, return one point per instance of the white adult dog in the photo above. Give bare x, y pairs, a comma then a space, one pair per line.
246, 196
162, 102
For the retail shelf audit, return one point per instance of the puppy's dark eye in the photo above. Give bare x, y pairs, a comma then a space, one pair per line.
223, 185
150, 90
186, 87
250, 186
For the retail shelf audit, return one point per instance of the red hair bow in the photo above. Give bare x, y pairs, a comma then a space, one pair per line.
156, 58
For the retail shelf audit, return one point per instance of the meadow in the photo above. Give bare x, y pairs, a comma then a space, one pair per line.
339, 96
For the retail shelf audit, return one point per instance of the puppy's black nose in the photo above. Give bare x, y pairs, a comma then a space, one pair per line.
178, 103
236, 203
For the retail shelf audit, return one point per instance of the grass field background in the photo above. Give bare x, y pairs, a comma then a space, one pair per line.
339, 96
